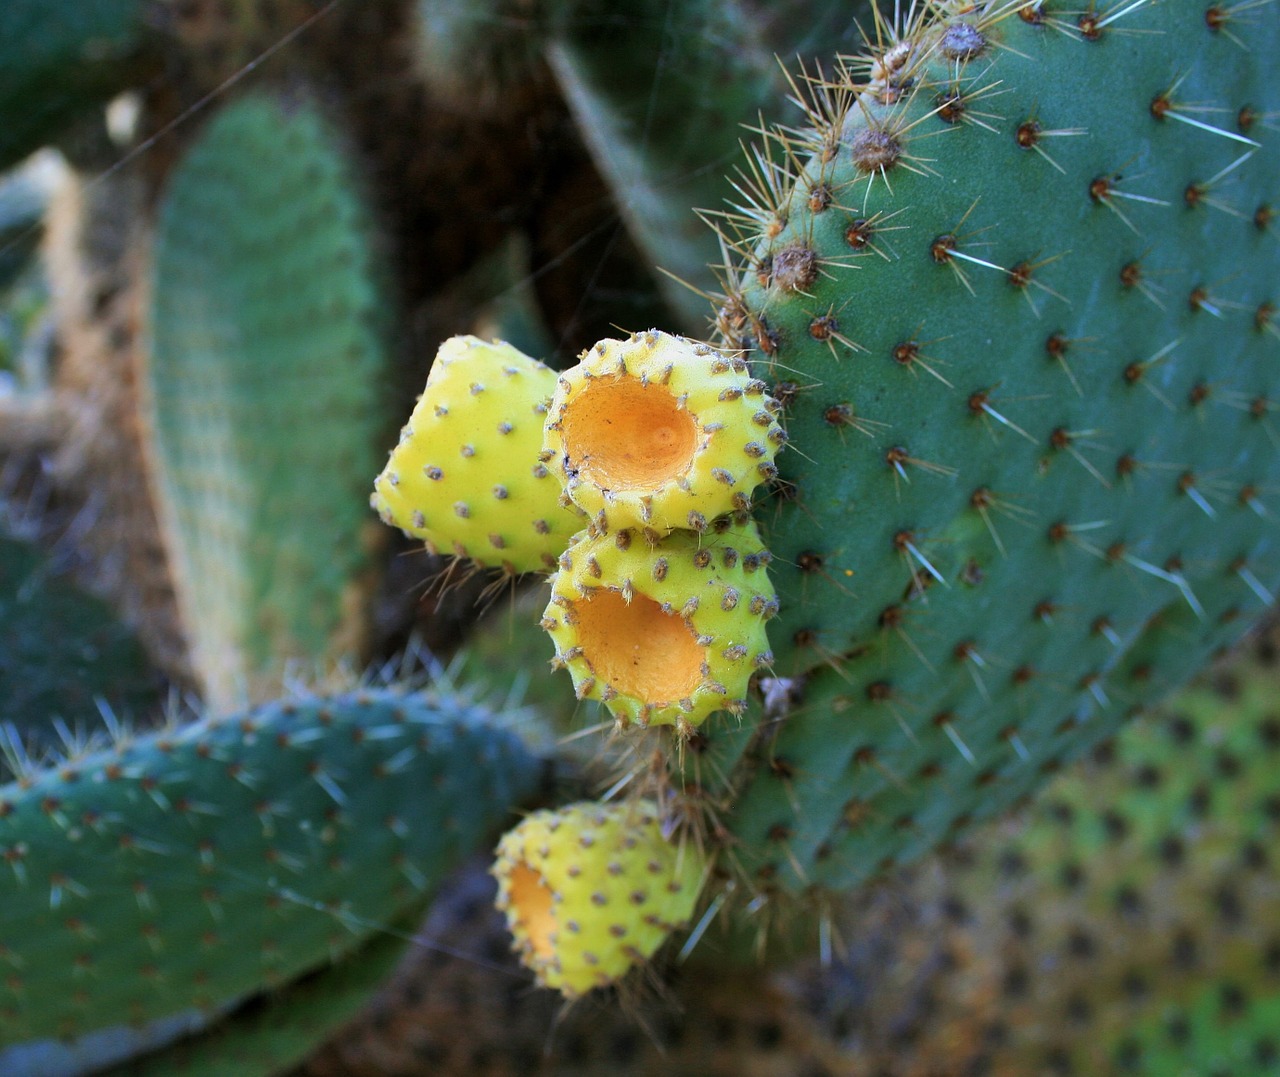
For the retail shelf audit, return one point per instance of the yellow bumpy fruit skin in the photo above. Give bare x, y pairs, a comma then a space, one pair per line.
664, 634
466, 475
660, 432
592, 890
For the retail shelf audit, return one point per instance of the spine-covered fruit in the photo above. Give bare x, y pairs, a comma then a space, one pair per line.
466, 475
665, 634
591, 891
660, 432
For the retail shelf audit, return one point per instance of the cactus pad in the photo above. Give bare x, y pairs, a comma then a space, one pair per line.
1018, 295
665, 634
465, 476
272, 1034
590, 891
266, 358
185, 870
656, 431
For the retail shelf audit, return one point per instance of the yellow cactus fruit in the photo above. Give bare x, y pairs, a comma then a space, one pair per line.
665, 634
660, 432
466, 475
592, 890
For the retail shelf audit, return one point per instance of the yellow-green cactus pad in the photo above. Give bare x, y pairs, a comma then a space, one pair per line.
664, 634
660, 432
466, 475
592, 890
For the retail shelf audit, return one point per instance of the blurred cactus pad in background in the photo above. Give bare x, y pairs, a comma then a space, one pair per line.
544, 536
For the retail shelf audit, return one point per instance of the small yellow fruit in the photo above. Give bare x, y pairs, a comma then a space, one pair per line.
665, 634
592, 890
466, 475
660, 432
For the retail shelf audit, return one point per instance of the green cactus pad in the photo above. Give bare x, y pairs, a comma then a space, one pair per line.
264, 377
665, 634
591, 891
465, 476
188, 869
60, 60
1019, 302
660, 432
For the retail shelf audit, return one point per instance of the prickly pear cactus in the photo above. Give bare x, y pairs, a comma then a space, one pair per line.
1016, 283
178, 873
272, 1034
264, 373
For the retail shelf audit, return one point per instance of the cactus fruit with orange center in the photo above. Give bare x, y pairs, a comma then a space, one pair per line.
591, 891
660, 432
465, 476
665, 634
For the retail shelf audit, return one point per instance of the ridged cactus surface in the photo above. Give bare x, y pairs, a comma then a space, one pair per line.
60, 60
1018, 295
185, 870
264, 376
